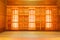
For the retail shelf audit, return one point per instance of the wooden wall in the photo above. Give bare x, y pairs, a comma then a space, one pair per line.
40, 18
2, 14
58, 4
55, 15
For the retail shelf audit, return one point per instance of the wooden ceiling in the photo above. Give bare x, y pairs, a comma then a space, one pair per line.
31, 2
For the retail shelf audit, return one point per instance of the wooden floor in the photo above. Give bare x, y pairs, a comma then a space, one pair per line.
29, 35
